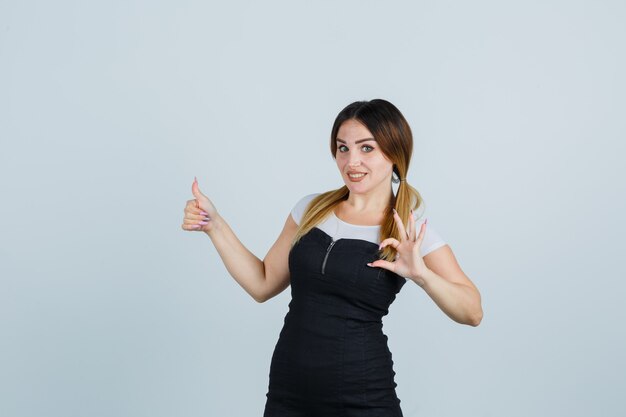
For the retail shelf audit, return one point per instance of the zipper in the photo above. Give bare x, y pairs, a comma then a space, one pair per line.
326, 256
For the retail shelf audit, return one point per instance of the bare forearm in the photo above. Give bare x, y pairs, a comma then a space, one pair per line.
243, 265
460, 302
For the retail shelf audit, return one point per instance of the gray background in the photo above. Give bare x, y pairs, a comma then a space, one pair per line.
109, 109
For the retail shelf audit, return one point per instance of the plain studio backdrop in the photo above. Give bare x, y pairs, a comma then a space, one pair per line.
109, 109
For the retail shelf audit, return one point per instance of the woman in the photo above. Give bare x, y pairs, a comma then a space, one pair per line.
332, 358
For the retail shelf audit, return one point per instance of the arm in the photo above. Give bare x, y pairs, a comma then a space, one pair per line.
261, 279
450, 288
437, 272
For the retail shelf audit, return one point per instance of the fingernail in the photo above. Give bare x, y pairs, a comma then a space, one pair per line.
204, 214
426, 221
380, 246
369, 264
203, 222
394, 210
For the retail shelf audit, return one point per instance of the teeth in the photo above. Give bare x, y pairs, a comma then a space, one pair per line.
356, 175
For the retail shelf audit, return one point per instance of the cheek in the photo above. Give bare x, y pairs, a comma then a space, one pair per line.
383, 167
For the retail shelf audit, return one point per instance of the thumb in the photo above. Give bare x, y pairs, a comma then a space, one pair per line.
196, 191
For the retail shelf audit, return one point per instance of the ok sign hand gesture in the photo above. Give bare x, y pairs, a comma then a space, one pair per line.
409, 262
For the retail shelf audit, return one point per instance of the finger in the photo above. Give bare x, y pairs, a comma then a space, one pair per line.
197, 212
196, 220
420, 238
196, 217
195, 190
191, 221
380, 263
389, 241
192, 207
191, 227
412, 232
401, 228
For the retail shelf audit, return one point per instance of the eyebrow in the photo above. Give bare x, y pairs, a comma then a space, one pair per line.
358, 141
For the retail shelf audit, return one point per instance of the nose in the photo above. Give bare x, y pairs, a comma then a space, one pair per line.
354, 160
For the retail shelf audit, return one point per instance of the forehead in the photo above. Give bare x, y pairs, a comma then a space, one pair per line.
352, 130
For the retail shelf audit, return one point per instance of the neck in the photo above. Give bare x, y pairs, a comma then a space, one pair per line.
375, 201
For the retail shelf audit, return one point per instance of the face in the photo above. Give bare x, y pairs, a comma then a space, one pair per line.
358, 152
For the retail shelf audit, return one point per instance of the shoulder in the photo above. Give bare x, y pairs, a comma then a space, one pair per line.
297, 212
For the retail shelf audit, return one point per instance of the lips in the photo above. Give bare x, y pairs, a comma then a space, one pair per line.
357, 179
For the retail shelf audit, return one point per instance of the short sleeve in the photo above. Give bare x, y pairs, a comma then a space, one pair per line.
297, 212
432, 239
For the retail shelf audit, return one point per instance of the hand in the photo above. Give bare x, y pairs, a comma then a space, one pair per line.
409, 262
200, 212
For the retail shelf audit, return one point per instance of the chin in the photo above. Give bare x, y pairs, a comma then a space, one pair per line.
356, 189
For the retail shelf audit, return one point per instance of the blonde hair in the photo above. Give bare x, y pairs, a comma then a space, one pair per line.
394, 138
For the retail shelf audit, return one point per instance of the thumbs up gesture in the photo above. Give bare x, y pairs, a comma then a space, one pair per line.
199, 212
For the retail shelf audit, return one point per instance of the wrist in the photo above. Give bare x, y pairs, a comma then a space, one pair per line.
423, 279
217, 224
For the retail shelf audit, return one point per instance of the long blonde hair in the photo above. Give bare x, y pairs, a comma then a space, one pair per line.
393, 136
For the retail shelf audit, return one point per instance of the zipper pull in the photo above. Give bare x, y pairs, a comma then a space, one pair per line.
326, 256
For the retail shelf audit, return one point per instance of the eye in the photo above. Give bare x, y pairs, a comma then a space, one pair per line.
371, 148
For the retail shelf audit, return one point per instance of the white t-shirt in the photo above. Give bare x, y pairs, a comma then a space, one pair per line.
337, 228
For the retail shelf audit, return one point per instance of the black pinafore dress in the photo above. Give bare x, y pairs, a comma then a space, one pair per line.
332, 358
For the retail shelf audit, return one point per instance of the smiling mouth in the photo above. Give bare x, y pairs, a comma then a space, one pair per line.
357, 176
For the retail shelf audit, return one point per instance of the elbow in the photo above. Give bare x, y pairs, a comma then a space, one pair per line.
476, 318
261, 296
476, 315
